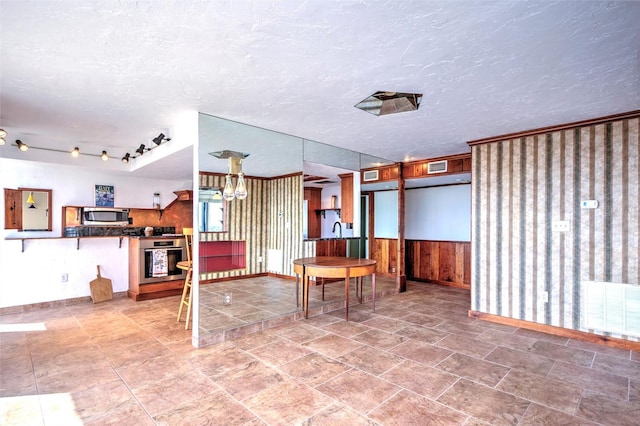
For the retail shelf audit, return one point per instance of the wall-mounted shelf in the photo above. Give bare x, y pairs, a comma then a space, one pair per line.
323, 212
22, 240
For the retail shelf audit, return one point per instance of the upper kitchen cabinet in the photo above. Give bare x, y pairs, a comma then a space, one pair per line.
27, 209
346, 194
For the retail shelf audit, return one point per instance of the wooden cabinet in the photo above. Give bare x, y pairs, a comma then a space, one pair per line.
314, 199
12, 209
184, 195
346, 194
71, 216
454, 164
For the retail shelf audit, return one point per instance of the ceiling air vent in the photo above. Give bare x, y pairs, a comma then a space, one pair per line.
370, 175
437, 167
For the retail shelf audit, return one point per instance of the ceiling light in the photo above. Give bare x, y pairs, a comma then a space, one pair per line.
2, 141
385, 103
31, 201
76, 152
125, 159
104, 156
140, 149
3, 133
158, 139
22, 146
235, 167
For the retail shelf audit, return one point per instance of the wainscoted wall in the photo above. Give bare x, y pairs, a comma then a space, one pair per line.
521, 185
269, 219
440, 262
385, 253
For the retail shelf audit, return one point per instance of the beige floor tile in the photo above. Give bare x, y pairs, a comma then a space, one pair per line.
406, 408
371, 360
358, 390
338, 415
215, 409
521, 360
250, 379
332, 345
590, 379
466, 345
615, 365
551, 393
490, 405
601, 409
422, 333
279, 352
315, 369
421, 352
346, 328
425, 381
287, 403
538, 415
563, 353
379, 339
477, 370
162, 396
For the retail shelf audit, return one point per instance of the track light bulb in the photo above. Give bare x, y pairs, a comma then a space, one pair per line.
104, 156
140, 149
125, 159
3, 133
22, 146
76, 152
2, 141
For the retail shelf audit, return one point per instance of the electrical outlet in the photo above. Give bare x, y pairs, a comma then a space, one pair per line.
393, 269
64, 277
259, 259
545, 296
560, 226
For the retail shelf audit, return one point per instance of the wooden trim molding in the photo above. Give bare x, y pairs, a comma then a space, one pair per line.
558, 331
558, 127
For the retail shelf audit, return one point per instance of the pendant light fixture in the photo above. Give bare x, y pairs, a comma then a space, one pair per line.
235, 167
31, 201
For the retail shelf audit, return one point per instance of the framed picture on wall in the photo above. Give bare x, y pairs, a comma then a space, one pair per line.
104, 196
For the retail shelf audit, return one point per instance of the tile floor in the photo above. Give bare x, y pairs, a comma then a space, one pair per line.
418, 360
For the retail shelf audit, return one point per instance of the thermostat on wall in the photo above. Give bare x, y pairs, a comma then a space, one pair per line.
589, 204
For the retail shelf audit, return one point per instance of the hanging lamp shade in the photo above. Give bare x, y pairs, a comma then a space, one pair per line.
31, 201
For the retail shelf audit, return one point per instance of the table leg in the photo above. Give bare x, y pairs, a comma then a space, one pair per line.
297, 291
305, 287
373, 287
359, 286
346, 295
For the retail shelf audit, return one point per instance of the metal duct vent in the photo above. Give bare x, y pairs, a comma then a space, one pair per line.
437, 167
370, 175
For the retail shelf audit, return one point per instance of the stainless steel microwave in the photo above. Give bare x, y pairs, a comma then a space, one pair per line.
105, 216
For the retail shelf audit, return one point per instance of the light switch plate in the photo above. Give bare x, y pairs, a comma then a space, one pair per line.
589, 204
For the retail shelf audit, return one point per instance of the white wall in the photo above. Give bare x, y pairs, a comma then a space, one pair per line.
440, 213
331, 217
35, 275
386, 217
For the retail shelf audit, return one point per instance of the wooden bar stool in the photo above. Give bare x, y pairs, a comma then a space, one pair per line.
186, 265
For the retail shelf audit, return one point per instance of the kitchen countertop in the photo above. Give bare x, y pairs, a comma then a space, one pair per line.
332, 238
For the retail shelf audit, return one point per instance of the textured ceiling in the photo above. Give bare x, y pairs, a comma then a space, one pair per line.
112, 75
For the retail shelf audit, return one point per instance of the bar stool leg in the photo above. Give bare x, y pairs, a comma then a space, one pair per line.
186, 298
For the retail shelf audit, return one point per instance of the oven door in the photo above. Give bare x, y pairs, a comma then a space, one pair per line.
164, 270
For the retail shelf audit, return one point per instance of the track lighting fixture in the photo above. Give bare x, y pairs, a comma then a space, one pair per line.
125, 159
104, 156
3, 134
158, 139
76, 152
140, 149
22, 146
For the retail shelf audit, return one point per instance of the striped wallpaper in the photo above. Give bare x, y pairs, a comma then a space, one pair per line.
270, 218
520, 186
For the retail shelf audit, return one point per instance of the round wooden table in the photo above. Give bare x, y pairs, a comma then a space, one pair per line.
334, 267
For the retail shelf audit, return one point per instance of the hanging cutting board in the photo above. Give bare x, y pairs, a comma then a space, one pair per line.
101, 288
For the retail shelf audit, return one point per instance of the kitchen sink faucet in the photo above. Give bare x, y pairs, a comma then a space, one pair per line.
339, 229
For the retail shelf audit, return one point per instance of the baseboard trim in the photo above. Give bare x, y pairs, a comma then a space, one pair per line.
18, 309
557, 331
